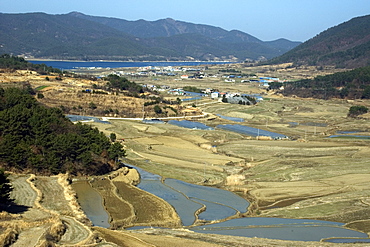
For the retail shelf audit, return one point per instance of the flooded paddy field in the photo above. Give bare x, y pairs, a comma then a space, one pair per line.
210, 194
284, 229
92, 203
309, 176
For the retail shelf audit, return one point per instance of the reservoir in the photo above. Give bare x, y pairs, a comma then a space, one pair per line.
68, 65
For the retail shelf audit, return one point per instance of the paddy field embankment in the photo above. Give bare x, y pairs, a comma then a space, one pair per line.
309, 176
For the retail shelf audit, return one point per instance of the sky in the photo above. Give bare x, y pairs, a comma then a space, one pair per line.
296, 20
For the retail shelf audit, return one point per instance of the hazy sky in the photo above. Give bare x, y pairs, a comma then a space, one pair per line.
296, 20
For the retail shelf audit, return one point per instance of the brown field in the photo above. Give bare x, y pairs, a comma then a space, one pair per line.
308, 176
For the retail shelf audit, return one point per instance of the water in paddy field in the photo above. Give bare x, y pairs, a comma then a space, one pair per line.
250, 131
184, 207
235, 119
221, 204
91, 203
210, 194
190, 124
278, 228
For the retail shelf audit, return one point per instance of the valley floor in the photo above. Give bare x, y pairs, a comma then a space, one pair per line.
308, 176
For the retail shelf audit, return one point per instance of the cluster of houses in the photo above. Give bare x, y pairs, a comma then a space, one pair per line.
196, 73
159, 71
233, 98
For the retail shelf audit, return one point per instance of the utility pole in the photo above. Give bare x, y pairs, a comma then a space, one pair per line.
143, 111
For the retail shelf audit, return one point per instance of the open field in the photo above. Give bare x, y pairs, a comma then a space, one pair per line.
308, 176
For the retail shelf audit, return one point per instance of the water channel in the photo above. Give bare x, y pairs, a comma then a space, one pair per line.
220, 204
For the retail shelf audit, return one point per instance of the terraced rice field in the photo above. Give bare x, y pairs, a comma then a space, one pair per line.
49, 188
22, 192
120, 211
149, 209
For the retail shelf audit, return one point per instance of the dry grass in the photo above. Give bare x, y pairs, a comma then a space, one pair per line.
308, 177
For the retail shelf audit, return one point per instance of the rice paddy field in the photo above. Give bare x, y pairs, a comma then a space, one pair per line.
308, 175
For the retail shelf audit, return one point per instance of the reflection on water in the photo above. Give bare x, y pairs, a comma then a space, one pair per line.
91, 203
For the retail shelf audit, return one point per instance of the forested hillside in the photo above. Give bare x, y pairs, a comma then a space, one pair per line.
353, 84
77, 36
41, 140
346, 46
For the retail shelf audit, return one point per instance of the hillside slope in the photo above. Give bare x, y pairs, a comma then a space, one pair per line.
346, 45
353, 84
77, 36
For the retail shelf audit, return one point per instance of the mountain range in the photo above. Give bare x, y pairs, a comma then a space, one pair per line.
346, 45
79, 36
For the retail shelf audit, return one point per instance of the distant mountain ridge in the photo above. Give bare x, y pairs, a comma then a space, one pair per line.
346, 45
79, 36
169, 27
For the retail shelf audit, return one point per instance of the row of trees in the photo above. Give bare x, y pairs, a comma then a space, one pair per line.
40, 139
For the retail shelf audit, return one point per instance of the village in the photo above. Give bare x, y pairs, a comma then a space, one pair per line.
178, 77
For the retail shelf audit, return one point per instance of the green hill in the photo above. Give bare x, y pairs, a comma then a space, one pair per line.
346, 45
353, 84
41, 140
77, 36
